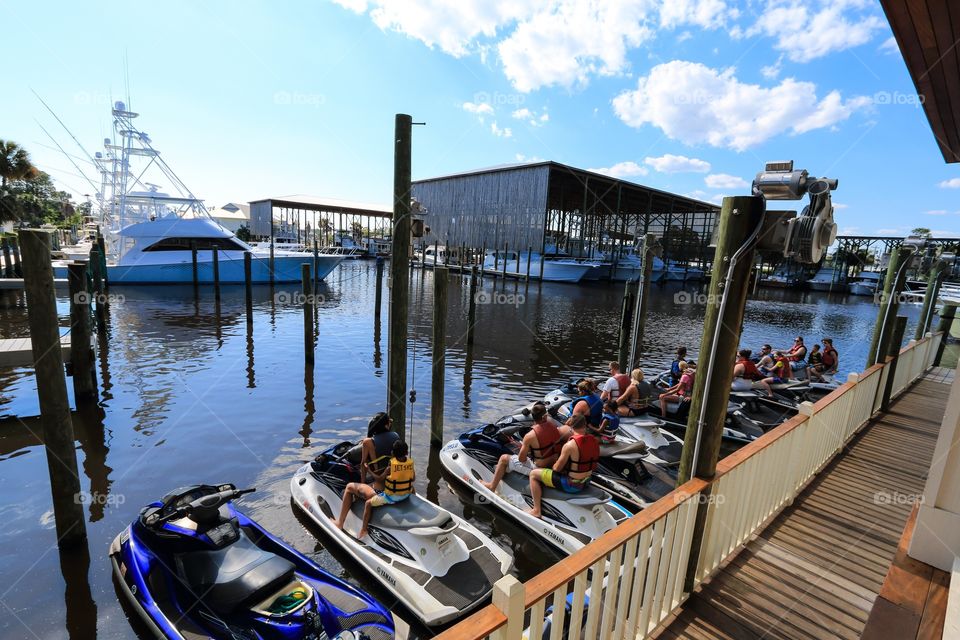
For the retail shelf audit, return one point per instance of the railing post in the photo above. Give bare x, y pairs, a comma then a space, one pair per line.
508, 598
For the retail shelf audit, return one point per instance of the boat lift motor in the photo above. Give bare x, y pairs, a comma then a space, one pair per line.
805, 237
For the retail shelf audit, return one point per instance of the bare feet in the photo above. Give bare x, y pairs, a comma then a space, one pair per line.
488, 485
534, 513
337, 524
362, 534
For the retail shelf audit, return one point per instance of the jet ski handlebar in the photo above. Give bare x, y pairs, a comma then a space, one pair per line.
206, 506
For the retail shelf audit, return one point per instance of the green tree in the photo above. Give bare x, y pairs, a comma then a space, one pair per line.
357, 229
921, 232
15, 163
243, 233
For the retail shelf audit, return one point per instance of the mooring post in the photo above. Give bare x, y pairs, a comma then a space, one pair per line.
503, 274
739, 216
893, 351
17, 261
642, 301
399, 276
307, 291
625, 311
934, 280
529, 253
193, 258
893, 286
378, 294
248, 277
472, 304
102, 245
81, 353
96, 271
7, 260
216, 273
946, 322
440, 275
55, 417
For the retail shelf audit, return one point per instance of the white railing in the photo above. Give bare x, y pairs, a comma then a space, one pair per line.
633, 577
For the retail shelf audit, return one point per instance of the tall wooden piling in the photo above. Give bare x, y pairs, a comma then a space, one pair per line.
248, 278
99, 294
893, 286
7, 260
506, 247
81, 353
102, 246
216, 273
529, 254
472, 305
58, 437
626, 307
399, 275
893, 351
307, 290
739, 216
440, 275
378, 294
934, 280
642, 301
316, 260
193, 260
947, 315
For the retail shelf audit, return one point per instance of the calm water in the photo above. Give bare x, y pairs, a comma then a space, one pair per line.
191, 395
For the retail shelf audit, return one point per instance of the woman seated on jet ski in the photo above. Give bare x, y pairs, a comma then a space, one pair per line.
609, 422
745, 373
572, 470
680, 392
831, 359
797, 355
781, 371
635, 401
376, 449
539, 448
588, 404
397, 486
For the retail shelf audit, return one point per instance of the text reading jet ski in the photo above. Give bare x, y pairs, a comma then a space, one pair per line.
195, 567
436, 563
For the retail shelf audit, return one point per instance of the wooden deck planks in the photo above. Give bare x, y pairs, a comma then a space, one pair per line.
816, 570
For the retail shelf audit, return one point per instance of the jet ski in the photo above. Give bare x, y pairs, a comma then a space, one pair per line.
437, 564
195, 567
569, 520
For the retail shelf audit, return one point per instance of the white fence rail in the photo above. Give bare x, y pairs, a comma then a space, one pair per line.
633, 577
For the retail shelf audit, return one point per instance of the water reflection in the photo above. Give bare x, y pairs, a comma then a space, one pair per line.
81, 609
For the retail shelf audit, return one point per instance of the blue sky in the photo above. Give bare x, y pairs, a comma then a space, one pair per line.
249, 100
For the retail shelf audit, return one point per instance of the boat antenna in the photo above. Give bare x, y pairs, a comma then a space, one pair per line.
68, 157
65, 128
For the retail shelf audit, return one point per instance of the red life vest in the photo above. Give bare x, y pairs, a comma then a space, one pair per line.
547, 438
750, 371
589, 449
785, 372
623, 381
829, 358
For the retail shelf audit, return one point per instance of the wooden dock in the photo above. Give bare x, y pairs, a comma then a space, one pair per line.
817, 568
18, 352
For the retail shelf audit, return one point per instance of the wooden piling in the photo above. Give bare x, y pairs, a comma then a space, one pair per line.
248, 277
193, 258
216, 273
7, 260
399, 275
934, 280
58, 436
440, 275
947, 315
739, 216
472, 305
307, 312
893, 286
893, 351
81, 353
626, 307
316, 260
102, 246
378, 294
99, 295
529, 254
506, 247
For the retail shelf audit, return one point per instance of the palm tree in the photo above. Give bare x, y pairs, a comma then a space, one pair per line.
15, 163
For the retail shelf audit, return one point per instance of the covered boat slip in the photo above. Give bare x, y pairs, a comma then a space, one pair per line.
547, 206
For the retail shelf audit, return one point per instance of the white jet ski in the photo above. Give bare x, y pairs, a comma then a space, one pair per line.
437, 564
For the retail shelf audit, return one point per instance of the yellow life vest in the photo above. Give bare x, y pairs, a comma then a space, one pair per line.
400, 480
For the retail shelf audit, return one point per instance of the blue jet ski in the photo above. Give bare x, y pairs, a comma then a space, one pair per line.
195, 567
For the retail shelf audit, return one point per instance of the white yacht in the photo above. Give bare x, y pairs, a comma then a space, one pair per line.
554, 269
150, 235
867, 283
828, 279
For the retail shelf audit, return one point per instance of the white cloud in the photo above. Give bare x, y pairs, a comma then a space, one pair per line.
838, 206
725, 181
628, 169
890, 46
708, 14
696, 104
505, 132
889, 232
532, 118
936, 212
522, 114
479, 108
804, 35
669, 163
771, 72
522, 158
848, 231
952, 183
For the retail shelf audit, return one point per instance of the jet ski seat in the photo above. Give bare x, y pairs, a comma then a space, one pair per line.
229, 577
590, 495
618, 448
407, 514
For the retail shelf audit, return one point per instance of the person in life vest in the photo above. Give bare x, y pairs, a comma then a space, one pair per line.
745, 374
610, 423
680, 392
539, 448
572, 470
814, 363
616, 384
397, 486
675, 370
797, 355
376, 449
635, 401
831, 359
588, 404
781, 371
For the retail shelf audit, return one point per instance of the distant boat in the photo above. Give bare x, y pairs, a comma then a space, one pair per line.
554, 269
828, 279
784, 276
630, 267
866, 284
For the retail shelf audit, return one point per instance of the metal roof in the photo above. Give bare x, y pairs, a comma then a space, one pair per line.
330, 205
